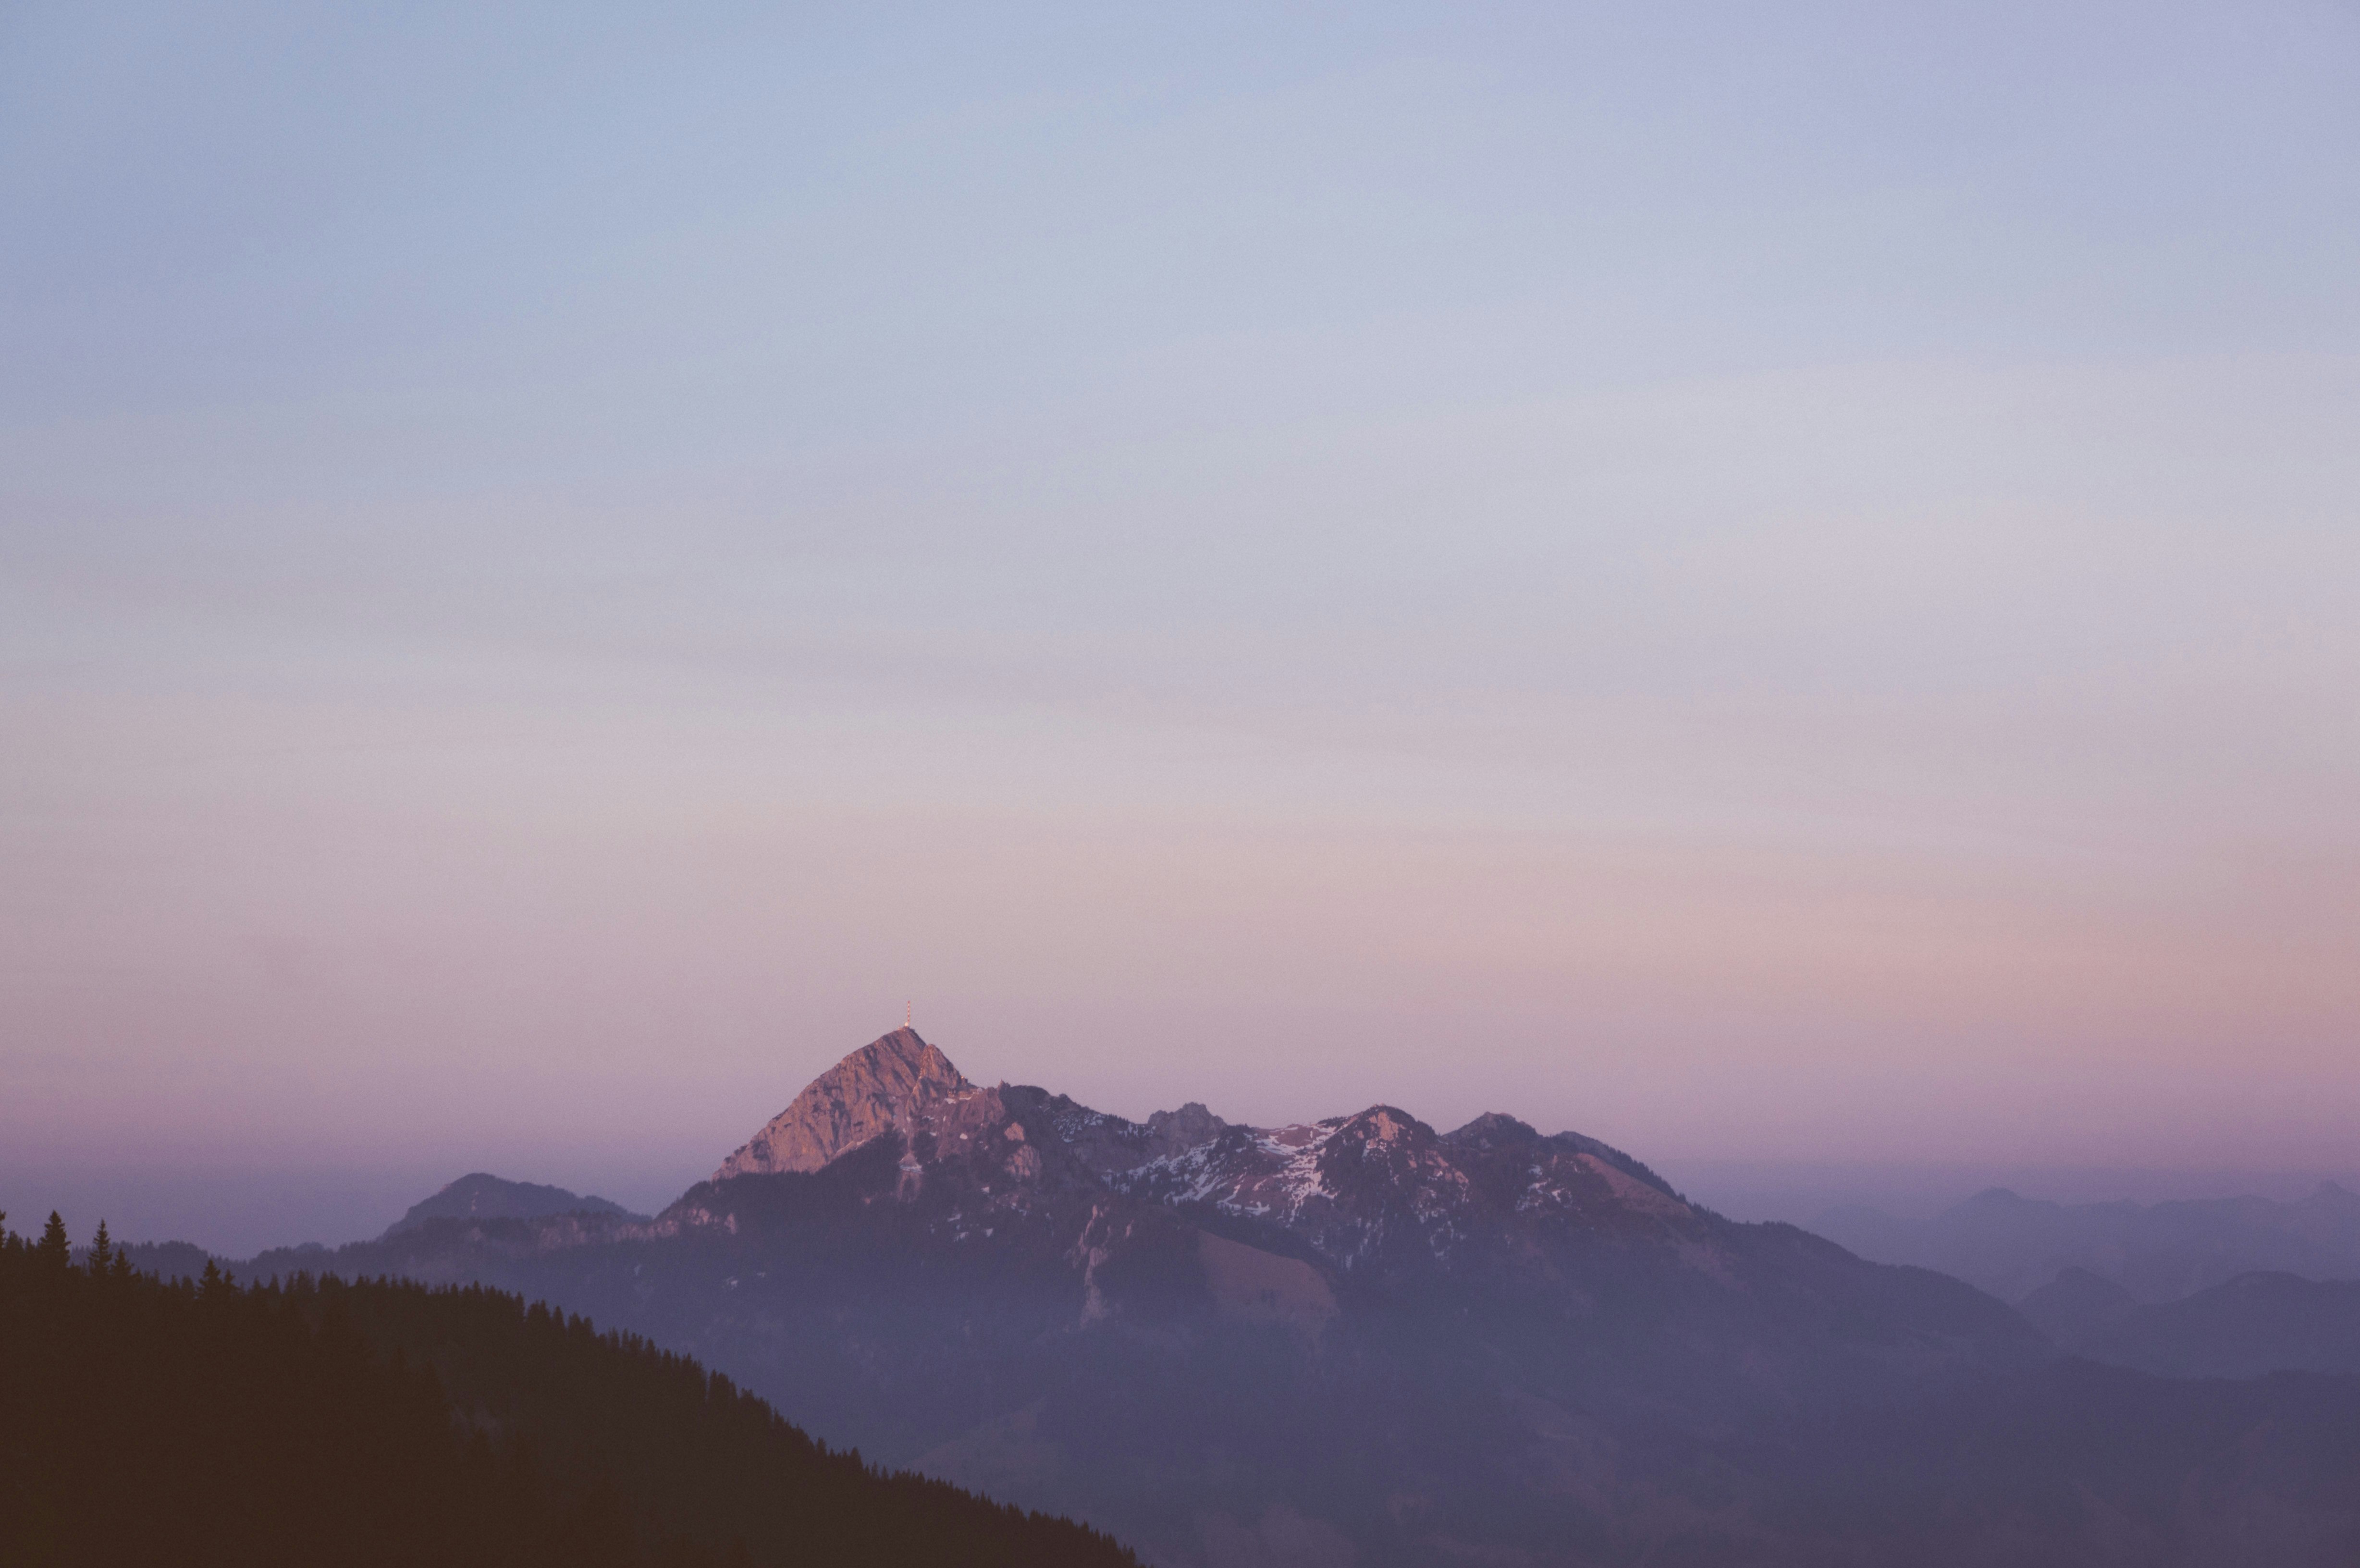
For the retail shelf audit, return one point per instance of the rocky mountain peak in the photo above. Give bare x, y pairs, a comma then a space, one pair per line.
1493, 1129
872, 1091
1376, 1194
1189, 1126
1386, 1144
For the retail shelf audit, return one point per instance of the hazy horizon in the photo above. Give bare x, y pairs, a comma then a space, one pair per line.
237, 1213
240, 1208
1770, 587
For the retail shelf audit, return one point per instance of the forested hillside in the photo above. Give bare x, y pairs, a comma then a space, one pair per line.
375, 1423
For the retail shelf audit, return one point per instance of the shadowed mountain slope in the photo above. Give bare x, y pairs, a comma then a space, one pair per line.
2254, 1324
2076, 1305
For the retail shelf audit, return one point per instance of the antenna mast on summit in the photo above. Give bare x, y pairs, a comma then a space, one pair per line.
908, 1009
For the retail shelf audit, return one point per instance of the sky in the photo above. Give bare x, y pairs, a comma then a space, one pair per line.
1770, 584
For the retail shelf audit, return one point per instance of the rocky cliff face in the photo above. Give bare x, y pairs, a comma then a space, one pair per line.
874, 1089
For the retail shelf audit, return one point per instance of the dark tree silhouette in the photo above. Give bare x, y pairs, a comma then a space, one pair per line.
382, 1424
53, 1250
102, 1252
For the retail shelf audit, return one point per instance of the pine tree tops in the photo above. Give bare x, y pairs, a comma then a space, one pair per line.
53, 1251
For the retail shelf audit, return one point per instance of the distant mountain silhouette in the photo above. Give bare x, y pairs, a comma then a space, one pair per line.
1364, 1340
2011, 1246
2254, 1324
2076, 1305
487, 1197
375, 1425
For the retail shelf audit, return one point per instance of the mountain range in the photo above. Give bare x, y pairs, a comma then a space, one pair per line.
1361, 1339
2012, 1246
2254, 1324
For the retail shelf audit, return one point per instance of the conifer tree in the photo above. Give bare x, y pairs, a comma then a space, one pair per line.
55, 1252
102, 1253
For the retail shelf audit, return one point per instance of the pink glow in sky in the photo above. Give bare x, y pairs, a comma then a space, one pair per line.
1782, 594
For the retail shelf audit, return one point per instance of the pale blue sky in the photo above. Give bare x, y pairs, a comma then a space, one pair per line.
1762, 582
